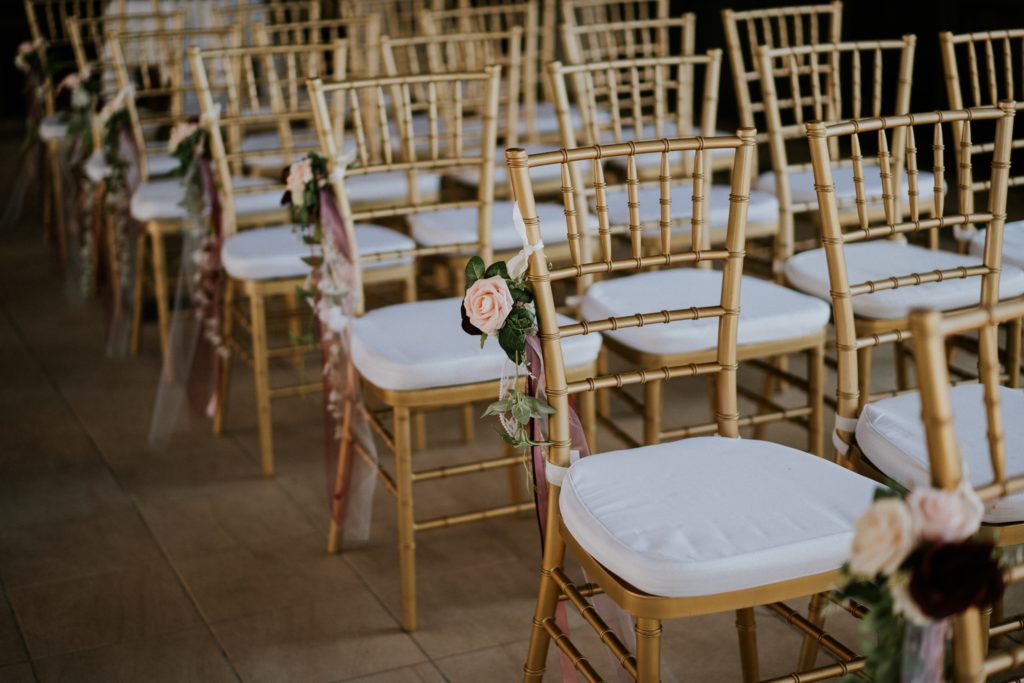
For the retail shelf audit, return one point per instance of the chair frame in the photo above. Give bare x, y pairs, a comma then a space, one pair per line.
648, 610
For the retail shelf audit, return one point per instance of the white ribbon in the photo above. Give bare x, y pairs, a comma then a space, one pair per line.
517, 264
843, 424
341, 164
554, 473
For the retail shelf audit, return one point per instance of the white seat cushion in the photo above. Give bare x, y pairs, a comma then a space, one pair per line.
763, 208
768, 312
269, 141
389, 186
52, 128
96, 167
890, 433
277, 252
161, 200
421, 344
1013, 244
158, 164
710, 515
458, 226
549, 174
801, 184
881, 259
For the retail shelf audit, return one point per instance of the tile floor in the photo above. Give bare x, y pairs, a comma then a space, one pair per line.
120, 563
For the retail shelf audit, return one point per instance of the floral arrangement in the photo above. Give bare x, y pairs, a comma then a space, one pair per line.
113, 120
84, 89
914, 562
31, 59
186, 142
499, 303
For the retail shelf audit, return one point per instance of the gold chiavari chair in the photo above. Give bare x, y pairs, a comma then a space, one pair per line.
260, 253
361, 33
47, 22
784, 27
880, 434
153, 70
629, 38
655, 97
637, 520
828, 82
984, 459
399, 18
988, 59
870, 304
583, 12
408, 358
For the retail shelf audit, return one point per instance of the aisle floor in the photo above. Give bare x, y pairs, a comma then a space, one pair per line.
121, 563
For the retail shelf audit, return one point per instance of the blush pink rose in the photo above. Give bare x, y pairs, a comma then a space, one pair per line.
488, 302
945, 516
299, 175
70, 82
883, 537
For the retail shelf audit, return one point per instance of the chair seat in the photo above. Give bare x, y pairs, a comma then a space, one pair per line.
161, 200
882, 259
277, 252
1013, 244
458, 226
709, 515
768, 312
389, 186
52, 128
541, 175
160, 164
421, 345
801, 184
762, 208
890, 433
648, 162
274, 164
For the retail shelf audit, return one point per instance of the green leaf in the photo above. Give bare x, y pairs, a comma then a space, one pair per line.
513, 341
474, 270
537, 406
497, 268
521, 413
882, 494
521, 296
498, 407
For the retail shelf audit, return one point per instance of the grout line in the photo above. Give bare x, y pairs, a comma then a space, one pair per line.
113, 473
21, 630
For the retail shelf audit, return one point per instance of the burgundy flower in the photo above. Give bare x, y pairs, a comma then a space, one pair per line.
468, 327
951, 577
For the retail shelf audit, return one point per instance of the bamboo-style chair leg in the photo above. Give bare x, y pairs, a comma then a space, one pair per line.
468, 421
138, 294
768, 384
902, 367
816, 399
161, 292
815, 615
295, 329
547, 603
998, 612
59, 225
586, 404
224, 378
746, 629
864, 356
652, 412
419, 431
648, 650
409, 290
1013, 351
406, 519
261, 370
986, 622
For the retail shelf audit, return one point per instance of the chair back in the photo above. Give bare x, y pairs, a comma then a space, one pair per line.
551, 334
583, 12
783, 27
629, 38
381, 140
986, 60
827, 82
931, 330
398, 18
634, 99
881, 136
275, 104
362, 34
494, 19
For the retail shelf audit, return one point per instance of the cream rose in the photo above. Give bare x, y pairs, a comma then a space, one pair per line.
300, 173
883, 537
70, 82
180, 133
25, 48
488, 302
945, 516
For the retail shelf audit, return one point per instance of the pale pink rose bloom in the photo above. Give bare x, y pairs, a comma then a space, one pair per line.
945, 516
299, 175
883, 537
180, 133
488, 302
25, 48
70, 82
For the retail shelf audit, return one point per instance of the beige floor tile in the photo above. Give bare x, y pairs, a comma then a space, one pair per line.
102, 609
191, 656
236, 583
319, 641
17, 673
421, 673
12, 648
51, 552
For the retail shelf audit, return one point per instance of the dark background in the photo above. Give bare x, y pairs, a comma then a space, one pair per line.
862, 20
